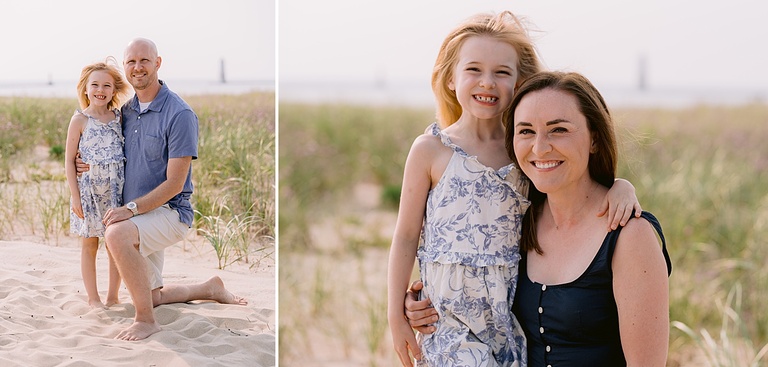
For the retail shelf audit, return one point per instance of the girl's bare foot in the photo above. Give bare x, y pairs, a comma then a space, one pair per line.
221, 294
111, 302
96, 303
138, 331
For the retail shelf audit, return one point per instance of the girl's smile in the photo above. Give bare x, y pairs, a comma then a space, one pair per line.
484, 77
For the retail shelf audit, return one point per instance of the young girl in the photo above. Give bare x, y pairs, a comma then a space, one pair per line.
96, 134
463, 201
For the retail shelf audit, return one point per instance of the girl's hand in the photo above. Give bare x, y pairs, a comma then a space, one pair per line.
619, 204
404, 340
77, 208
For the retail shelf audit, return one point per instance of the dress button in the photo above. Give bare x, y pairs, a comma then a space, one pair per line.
549, 365
541, 330
548, 349
135, 131
139, 117
543, 287
541, 310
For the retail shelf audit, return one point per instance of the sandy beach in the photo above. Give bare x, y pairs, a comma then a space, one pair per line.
45, 319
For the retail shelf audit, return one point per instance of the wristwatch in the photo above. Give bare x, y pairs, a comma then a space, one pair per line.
132, 207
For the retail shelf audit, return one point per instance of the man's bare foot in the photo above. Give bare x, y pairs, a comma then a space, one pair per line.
96, 303
221, 294
138, 331
111, 302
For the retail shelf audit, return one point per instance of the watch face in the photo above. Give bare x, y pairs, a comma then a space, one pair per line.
131, 206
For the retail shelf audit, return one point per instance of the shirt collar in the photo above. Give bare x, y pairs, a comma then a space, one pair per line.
157, 103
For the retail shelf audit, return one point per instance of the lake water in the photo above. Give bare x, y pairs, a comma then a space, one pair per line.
66, 89
420, 95
409, 94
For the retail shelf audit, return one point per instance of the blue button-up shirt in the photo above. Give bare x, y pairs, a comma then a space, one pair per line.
168, 128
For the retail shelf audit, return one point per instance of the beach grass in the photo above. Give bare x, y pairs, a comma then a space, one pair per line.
235, 170
701, 170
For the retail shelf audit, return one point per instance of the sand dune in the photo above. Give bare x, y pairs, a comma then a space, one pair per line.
45, 319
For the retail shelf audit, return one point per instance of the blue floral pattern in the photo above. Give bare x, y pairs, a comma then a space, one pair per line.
468, 258
101, 187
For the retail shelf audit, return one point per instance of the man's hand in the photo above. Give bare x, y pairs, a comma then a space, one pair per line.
420, 314
81, 166
114, 215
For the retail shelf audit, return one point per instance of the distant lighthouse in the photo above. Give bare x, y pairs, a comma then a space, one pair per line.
221, 72
642, 77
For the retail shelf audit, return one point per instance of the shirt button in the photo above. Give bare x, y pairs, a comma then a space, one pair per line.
139, 117
549, 365
548, 349
541, 330
135, 131
543, 287
541, 310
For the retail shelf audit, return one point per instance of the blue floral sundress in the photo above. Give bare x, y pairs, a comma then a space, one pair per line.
101, 187
468, 258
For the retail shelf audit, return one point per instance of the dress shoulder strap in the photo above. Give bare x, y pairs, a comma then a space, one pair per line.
614, 236
657, 226
435, 130
79, 111
118, 115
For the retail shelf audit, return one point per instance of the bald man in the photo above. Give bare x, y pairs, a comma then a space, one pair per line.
160, 132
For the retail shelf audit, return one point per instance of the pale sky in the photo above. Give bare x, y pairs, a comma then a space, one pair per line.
52, 38
689, 43
686, 43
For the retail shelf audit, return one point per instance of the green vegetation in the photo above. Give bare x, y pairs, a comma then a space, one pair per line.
234, 176
702, 171
327, 149
28, 122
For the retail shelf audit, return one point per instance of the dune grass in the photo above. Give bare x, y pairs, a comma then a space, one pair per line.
327, 149
701, 170
235, 175
235, 170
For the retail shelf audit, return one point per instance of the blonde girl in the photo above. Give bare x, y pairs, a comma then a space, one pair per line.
95, 134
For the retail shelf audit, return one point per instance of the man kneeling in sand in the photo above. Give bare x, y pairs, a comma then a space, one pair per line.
160, 132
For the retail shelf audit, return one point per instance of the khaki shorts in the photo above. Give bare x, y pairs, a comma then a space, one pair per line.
158, 229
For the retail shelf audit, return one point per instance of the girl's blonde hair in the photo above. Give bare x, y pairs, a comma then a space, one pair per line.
505, 27
110, 66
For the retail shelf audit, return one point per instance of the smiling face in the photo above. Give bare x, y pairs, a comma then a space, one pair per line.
100, 88
141, 63
484, 77
552, 141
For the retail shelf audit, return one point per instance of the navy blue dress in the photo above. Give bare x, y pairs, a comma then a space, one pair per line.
575, 324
